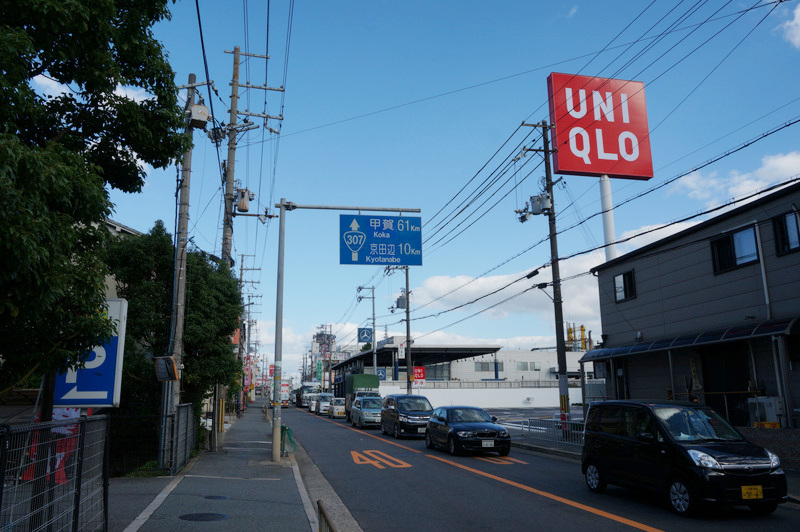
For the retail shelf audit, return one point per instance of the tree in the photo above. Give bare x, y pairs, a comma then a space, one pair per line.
143, 268
57, 153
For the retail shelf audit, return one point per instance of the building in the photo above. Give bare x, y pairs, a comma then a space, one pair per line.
710, 313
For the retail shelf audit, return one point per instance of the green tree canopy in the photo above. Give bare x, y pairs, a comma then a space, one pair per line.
143, 269
58, 152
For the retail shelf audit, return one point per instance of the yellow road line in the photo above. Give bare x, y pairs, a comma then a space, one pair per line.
551, 496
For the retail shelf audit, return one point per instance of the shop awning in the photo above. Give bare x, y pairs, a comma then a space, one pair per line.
708, 337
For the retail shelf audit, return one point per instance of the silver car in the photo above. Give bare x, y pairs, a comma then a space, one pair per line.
366, 412
322, 403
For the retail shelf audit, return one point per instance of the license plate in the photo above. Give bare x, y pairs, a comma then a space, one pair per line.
421, 430
487, 443
752, 492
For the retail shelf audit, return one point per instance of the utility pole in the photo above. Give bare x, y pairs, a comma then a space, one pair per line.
540, 205
233, 130
196, 116
374, 351
227, 224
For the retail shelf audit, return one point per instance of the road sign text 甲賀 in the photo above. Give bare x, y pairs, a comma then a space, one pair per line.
380, 240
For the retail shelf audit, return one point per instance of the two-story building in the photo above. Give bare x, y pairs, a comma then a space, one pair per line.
710, 314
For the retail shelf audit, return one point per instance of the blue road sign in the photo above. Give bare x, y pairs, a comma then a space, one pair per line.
381, 374
380, 240
99, 382
364, 335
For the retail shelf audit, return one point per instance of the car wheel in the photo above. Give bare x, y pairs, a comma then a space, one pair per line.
594, 479
764, 508
504, 451
428, 441
452, 446
681, 499
396, 432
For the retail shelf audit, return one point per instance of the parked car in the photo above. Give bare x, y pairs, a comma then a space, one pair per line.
309, 400
466, 428
321, 403
336, 407
684, 450
366, 412
405, 415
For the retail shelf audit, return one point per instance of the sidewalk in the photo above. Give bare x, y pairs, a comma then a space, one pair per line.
531, 444
237, 489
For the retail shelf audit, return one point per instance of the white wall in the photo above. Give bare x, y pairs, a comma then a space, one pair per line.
489, 398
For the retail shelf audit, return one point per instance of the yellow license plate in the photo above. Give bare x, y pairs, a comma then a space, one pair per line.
752, 492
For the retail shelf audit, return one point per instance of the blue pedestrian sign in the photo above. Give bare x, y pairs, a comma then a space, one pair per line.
99, 382
380, 240
364, 335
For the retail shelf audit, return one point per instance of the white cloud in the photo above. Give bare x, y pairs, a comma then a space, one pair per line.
134, 93
49, 87
791, 28
715, 190
572, 11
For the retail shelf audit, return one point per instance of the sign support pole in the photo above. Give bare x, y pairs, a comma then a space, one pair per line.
607, 207
276, 403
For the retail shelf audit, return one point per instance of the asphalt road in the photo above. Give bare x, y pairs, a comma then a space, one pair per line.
390, 484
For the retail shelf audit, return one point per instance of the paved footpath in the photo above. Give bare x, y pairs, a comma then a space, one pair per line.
239, 488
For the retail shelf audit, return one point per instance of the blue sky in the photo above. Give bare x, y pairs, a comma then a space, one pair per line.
402, 104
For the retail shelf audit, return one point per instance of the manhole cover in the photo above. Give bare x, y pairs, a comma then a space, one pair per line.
217, 497
204, 517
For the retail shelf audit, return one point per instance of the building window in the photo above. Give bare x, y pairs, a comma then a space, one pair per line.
734, 249
787, 235
488, 366
624, 286
522, 366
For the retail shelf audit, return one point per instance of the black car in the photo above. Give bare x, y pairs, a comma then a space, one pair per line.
684, 450
405, 415
466, 428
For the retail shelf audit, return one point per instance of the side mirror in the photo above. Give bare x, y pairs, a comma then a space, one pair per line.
646, 437
494, 419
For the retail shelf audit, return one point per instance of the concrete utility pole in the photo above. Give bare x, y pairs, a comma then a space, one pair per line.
561, 351
171, 390
230, 166
541, 205
374, 351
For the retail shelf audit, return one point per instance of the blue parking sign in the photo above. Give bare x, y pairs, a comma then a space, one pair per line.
98, 383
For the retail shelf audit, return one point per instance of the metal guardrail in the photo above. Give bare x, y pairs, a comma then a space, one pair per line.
325, 522
55, 475
555, 433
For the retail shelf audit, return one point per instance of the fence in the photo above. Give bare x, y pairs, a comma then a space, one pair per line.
555, 433
135, 442
54, 475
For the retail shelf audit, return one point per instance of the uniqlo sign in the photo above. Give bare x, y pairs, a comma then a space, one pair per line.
600, 127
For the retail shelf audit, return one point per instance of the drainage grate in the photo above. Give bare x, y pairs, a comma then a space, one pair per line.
204, 517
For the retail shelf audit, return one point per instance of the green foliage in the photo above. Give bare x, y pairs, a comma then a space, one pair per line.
143, 268
57, 154
366, 347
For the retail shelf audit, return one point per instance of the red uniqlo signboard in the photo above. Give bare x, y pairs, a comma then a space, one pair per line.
600, 127
419, 375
